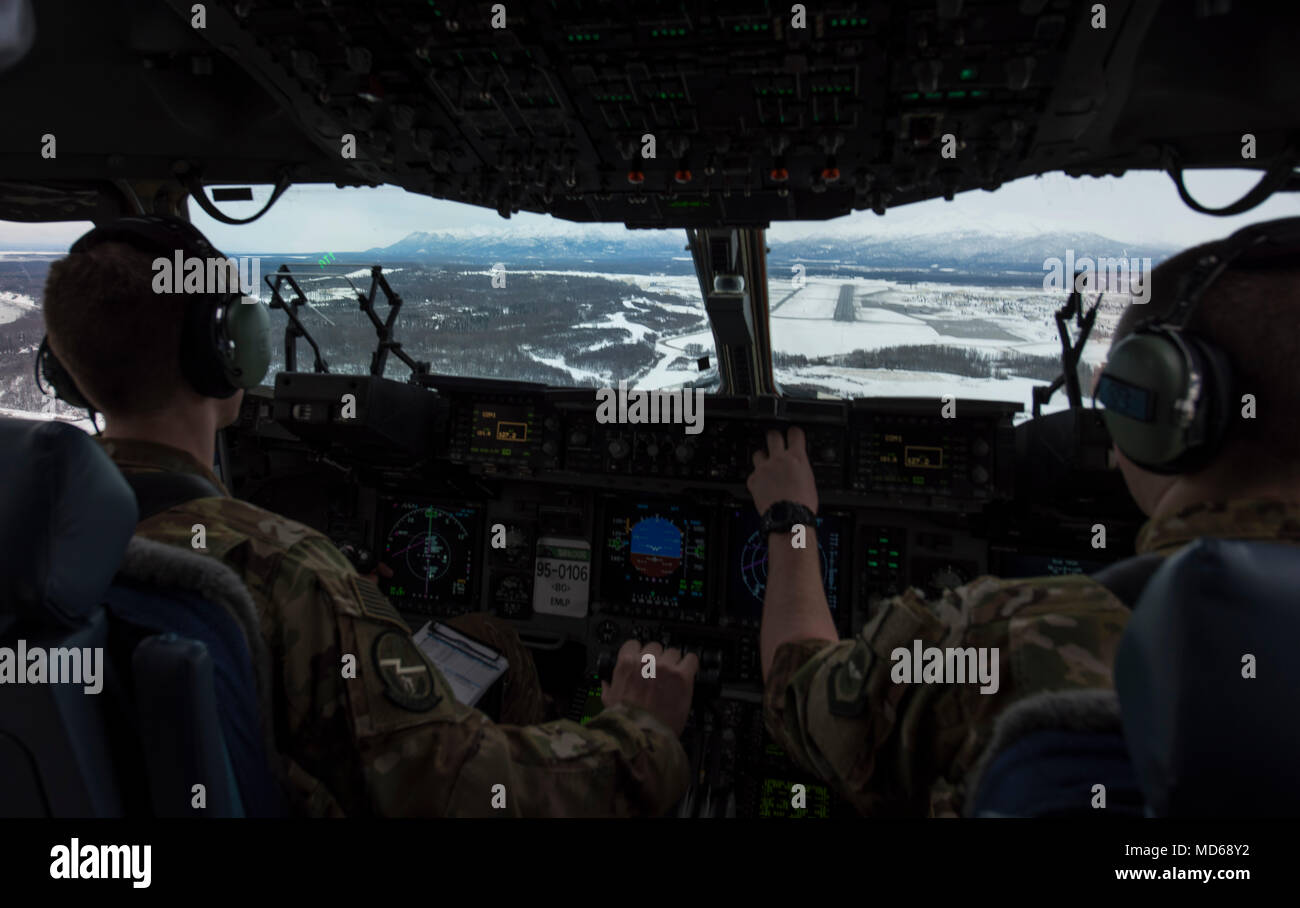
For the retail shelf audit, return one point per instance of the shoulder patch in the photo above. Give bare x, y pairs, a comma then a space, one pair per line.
408, 680
374, 604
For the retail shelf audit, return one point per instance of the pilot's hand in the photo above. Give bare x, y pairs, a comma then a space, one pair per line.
783, 473
667, 696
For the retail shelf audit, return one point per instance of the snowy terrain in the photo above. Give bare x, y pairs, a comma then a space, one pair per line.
823, 318
13, 305
993, 320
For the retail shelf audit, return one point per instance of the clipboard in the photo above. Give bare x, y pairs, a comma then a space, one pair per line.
470, 666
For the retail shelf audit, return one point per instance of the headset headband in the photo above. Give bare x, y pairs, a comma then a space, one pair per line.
150, 233
1250, 247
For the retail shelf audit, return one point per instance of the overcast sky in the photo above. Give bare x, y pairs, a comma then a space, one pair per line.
1137, 207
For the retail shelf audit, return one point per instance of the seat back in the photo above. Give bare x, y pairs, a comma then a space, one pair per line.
1057, 754
141, 704
196, 681
1201, 722
1208, 681
66, 516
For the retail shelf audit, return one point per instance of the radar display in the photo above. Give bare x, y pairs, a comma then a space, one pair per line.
430, 549
747, 563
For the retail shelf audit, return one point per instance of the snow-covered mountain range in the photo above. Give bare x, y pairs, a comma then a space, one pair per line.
995, 247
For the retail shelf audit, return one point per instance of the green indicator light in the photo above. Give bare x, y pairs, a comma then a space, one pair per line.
895, 554
956, 94
967, 74
978, 93
933, 95
893, 564
873, 564
873, 551
912, 96
884, 538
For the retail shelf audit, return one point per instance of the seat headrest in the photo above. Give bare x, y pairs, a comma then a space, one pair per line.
1207, 679
66, 516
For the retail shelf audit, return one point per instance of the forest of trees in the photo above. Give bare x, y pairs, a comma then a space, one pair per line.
462, 325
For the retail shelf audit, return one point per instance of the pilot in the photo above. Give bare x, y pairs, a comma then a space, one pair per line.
370, 740
844, 710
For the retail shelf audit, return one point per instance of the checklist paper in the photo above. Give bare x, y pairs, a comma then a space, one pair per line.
470, 667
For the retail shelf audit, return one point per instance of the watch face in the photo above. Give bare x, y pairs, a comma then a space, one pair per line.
785, 514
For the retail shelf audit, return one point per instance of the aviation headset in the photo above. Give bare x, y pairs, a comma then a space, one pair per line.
1169, 395
225, 343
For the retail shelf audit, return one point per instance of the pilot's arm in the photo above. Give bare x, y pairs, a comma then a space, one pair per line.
794, 607
846, 710
362, 711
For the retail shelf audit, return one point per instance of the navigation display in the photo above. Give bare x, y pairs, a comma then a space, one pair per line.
911, 456
747, 563
430, 549
902, 454
501, 431
655, 555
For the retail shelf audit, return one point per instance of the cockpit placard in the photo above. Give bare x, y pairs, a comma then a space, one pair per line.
562, 577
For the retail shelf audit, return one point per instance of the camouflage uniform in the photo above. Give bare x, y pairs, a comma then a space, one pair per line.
907, 748
392, 740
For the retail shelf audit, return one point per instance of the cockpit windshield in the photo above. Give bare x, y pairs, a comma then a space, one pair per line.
938, 298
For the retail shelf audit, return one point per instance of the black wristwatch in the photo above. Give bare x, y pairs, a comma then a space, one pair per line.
783, 515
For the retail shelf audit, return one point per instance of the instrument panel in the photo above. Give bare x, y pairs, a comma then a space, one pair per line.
524, 503
517, 500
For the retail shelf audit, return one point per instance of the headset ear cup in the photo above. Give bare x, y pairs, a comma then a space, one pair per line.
248, 327
201, 359
1157, 363
1148, 368
58, 378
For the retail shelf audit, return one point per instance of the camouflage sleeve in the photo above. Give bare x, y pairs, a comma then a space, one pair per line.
377, 723
891, 741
